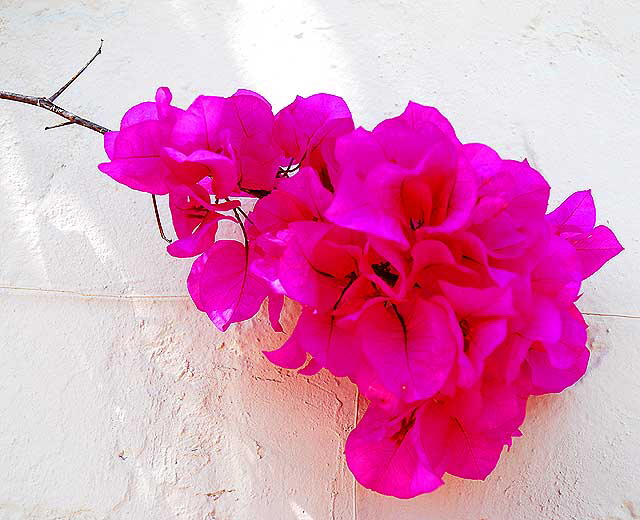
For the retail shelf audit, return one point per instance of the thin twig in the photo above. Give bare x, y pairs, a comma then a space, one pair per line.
244, 232
158, 221
256, 193
246, 217
284, 172
59, 125
43, 102
48, 103
77, 74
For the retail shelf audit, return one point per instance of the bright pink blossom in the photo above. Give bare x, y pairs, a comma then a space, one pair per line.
226, 291
238, 128
307, 129
135, 150
404, 450
574, 220
428, 271
195, 219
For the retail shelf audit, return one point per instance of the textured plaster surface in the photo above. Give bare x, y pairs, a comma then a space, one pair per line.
139, 409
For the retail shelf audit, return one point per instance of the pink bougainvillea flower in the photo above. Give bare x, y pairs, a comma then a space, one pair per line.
145, 154
404, 450
191, 169
427, 271
134, 150
195, 220
300, 127
414, 176
509, 213
555, 365
482, 319
575, 220
307, 129
222, 286
411, 346
575, 216
299, 200
385, 453
315, 266
238, 127
595, 249
480, 423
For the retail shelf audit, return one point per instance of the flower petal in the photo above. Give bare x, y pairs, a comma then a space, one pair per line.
385, 454
412, 347
596, 249
577, 214
301, 127
223, 286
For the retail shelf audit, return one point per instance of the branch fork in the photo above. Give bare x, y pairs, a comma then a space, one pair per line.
47, 103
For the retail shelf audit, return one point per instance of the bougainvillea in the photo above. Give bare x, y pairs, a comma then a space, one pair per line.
428, 271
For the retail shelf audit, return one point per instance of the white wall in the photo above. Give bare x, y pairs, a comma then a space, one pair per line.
139, 409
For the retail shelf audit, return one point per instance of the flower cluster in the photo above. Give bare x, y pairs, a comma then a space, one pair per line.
427, 270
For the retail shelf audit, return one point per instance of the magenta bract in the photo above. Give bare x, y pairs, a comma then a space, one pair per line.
428, 271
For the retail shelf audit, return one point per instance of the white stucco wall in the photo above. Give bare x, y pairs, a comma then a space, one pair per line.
139, 409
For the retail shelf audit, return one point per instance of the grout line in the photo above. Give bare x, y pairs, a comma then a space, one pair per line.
354, 495
611, 315
186, 296
97, 295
